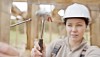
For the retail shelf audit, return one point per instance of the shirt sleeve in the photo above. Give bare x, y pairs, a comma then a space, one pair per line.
93, 52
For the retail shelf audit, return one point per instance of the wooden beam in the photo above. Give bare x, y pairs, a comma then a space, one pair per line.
32, 27
15, 10
87, 1
95, 29
61, 1
35, 23
5, 6
19, 0
28, 26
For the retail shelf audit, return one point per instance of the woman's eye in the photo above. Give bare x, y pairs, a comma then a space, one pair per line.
69, 25
79, 25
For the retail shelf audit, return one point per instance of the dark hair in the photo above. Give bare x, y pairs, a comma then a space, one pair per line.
85, 19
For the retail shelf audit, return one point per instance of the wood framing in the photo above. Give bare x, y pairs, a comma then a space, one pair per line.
95, 29
5, 6
32, 26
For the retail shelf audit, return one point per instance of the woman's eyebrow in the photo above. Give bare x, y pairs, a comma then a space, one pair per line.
79, 22
69, 23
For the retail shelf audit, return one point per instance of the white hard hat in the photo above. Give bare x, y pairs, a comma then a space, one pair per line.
77, 10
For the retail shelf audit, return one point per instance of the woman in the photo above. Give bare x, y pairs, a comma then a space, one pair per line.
76, 19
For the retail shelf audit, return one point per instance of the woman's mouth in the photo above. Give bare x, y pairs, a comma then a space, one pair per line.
74, 36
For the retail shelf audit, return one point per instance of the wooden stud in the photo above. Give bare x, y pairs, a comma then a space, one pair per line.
5, 6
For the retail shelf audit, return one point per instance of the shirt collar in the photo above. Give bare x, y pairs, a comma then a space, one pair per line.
78, 47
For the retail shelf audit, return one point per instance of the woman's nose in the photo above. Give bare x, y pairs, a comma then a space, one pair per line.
74, 29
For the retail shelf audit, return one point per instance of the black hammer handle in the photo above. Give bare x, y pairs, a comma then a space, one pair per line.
41, 44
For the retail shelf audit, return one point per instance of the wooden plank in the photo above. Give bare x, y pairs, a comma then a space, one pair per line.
15, 10
61, 1
95, 29
32, 27
5, 6
35, 23
20, 0
28, 26
87, 1
98, 30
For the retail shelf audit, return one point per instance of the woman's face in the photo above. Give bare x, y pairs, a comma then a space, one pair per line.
75, 29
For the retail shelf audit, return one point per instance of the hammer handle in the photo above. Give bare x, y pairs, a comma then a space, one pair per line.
41, 44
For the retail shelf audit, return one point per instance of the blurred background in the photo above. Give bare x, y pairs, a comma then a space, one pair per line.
21, 22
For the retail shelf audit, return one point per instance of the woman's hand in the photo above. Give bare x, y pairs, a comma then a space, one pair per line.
35, 51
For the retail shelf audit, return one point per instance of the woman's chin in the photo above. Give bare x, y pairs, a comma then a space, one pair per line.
74, 38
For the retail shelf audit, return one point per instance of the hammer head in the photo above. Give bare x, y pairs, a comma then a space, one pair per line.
44, 14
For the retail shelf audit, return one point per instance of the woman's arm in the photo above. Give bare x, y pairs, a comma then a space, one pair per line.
5, 55
6, 49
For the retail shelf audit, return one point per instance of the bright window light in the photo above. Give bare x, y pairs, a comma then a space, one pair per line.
21, 5
47, 8
61, 12
13, 17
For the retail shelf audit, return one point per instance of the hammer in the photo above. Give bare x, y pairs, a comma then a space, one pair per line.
42, 14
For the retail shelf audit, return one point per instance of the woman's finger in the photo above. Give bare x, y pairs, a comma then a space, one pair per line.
35, 53
36, 45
